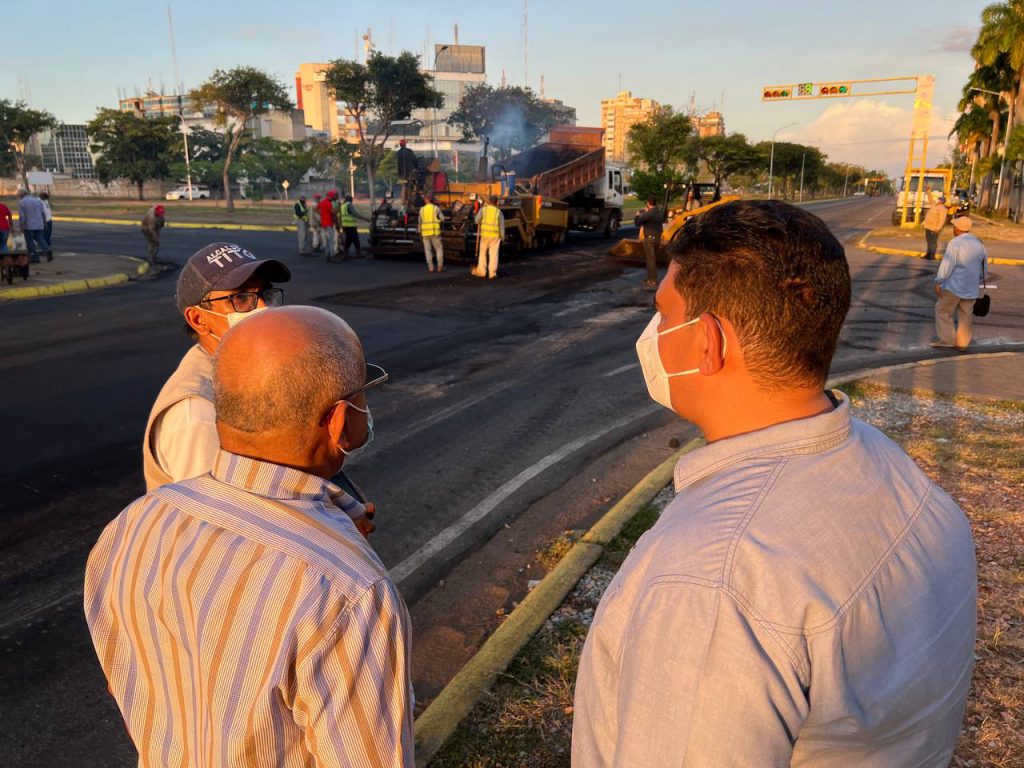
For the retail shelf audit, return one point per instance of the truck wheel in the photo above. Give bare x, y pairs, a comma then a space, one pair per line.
613, 224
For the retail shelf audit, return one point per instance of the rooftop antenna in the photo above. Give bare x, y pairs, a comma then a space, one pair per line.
620, 83
456, 34
367, 44
542, 86
504, 80
391, 36
355, 43
721, 104
174, 53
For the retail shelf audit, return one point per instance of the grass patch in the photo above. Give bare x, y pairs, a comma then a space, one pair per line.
619, 547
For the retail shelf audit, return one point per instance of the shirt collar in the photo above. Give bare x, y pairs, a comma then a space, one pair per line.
271, 480
801, 436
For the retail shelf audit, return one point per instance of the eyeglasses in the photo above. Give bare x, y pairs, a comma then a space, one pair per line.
375, 376
247, 301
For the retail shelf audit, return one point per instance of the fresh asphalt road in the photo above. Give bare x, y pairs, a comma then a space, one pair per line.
501, 392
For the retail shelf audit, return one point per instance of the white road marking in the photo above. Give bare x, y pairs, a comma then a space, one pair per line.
620, 369
411, 564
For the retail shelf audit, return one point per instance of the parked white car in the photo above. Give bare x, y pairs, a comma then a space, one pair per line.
199, 192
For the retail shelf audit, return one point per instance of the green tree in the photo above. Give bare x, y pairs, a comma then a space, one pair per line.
18, 124
134, 148
511, 118
982, 102
239, 95
1002, 33
269, 161
376, 94
792, 159
663, 150
727, 155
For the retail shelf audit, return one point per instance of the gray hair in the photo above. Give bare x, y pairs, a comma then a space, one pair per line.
293, 400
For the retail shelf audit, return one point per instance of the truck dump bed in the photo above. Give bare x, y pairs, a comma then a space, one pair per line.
571, 160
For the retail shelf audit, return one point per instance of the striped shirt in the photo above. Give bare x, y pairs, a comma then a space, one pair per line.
242, 620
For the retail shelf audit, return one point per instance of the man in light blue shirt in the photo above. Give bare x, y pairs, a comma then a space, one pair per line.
32, 220
963, 268
808, 598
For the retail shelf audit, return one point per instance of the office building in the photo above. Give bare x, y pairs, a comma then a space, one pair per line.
65, 150
566, 114
620, 114
454, 69
314, 98
153, 104
710, 124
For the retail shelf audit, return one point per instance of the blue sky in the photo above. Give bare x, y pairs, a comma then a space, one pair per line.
661, 50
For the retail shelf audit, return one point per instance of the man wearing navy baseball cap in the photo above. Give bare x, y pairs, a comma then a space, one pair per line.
221, 285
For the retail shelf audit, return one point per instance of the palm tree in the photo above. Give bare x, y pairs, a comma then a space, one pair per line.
1002, 34
982, 102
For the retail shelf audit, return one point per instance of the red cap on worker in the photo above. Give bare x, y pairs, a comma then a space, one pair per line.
401, 142
159, 210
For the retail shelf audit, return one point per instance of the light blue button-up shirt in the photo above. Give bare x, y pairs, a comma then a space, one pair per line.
807, 599
962, 267
30, 213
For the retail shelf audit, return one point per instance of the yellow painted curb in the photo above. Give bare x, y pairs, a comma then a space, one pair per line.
863, 244
458, 698
70, 286
189, 225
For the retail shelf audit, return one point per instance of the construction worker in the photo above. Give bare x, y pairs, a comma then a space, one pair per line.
429, 226
314, 224
152, 223
491, 225
406, 160
652, 220
350, 226
327, 221
302, 226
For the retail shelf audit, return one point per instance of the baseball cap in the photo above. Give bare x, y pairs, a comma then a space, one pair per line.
222, 267
963, 223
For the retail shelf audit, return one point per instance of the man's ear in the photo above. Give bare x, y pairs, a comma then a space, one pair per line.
712, 338
196, 318
336, 421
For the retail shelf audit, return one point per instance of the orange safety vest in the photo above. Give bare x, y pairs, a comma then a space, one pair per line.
489, 223
430, 222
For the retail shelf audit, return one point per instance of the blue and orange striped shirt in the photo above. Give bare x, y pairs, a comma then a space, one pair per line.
242, 620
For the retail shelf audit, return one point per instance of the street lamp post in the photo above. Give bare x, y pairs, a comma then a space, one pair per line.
803, 159
771, 161
1006, 135
188, 164
433, 119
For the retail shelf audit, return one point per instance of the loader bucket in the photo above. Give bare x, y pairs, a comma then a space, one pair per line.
629, 250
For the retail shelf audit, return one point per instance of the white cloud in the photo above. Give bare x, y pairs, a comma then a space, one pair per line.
871, 133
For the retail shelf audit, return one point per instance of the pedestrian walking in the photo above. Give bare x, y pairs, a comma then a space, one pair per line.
328, 234
6, 227
239, 617
429, 225
44, 198
934, 221
316, 230
652, 222
963, 269
152, 225
490, 224
350, 226
300, 213
809, 596
32, 221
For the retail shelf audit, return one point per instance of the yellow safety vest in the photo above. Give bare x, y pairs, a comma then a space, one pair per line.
430, 222
348, 219
489, 223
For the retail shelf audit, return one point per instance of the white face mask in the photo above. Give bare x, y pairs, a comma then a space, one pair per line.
234, 318
650, 359
369, 430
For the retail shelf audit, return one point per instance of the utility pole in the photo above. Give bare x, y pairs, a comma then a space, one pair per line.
803, 159
846, 179
526, 71
771, 162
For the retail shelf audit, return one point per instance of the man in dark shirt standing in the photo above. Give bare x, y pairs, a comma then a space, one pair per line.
652, 220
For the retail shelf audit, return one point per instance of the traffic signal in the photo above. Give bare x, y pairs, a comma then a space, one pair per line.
776, 92
834, 89
805, 89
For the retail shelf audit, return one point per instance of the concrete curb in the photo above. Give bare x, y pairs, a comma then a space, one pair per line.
921, 254
75, 286
188, 225
440, 719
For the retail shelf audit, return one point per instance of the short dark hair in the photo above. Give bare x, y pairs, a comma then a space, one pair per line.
652, 200
493, 199
778, 275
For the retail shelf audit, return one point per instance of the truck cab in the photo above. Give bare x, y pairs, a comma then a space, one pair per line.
917, 198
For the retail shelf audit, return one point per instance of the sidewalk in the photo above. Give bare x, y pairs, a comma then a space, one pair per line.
527, 710
912, 244
71, 272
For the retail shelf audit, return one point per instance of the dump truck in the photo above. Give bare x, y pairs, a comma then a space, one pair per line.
632, 249
937, 181
560, 184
